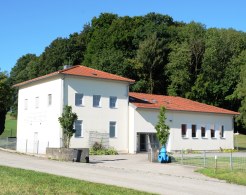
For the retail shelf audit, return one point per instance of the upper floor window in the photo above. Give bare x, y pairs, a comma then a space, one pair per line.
79, 99
222, 135
184, 130
49, 99
203, 131
112, 129
26, 104
78, 128
96, 100
112, 101
193, 129
36, 102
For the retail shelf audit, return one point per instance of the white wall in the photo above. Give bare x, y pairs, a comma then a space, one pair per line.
146, 119
39, 124
202, 119
97, 119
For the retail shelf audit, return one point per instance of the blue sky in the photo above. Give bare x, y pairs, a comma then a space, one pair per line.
28, 26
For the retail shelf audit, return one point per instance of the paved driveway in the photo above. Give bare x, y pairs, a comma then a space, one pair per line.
132, 171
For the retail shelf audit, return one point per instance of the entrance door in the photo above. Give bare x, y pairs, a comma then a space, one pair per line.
143, 142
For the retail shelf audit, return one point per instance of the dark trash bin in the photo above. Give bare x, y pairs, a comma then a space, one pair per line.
77, 155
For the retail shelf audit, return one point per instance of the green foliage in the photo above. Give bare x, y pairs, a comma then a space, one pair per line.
67, 121
163, 56
6, 94
99, 149
161, 128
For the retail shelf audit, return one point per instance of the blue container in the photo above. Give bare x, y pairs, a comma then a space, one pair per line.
163, 157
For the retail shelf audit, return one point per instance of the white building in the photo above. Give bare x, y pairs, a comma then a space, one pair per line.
107, 112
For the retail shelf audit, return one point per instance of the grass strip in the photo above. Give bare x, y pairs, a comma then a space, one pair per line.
20, 181
236, 177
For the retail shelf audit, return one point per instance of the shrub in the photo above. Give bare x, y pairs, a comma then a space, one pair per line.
98, 149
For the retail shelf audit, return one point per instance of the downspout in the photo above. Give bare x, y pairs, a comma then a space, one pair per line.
62, 105
127, 115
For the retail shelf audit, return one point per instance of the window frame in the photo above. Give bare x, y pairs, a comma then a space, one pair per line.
115, 102
113, 124
194, 128
184, 129
222, 131
212, 132
26, 104
81, 99
81, 128
98, 98
203, 129
49, 99
37, 102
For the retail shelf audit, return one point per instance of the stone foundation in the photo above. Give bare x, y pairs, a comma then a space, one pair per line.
69, 154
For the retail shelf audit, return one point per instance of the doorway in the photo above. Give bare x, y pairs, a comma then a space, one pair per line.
143, 143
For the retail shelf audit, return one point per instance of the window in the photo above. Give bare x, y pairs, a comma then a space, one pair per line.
112, 102
212, 131
78, 128
49, 99
36, 102
26, 104
79, 99
203, 131
96, 100
193, 128
112, 129
222, 131
184, 130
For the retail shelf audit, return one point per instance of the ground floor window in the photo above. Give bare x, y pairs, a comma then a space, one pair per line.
184, 130
112, 129
78, 128
222, 131
203, 131
212, 131
193, 128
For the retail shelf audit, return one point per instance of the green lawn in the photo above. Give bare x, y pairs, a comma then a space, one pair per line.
19, 181
236, 177
241, 141
10, 127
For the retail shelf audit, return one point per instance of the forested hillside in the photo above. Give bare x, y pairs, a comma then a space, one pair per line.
163, 56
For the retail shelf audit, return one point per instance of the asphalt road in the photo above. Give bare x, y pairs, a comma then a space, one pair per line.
131, 171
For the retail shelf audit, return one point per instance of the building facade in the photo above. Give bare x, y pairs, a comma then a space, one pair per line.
109, 114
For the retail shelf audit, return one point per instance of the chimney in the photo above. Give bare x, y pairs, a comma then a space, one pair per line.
66, 67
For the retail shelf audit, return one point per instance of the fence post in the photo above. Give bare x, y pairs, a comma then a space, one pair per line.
204, 159
215, 164
182, 157
48, 144
6, 143
37, 146
231, 162
26, 145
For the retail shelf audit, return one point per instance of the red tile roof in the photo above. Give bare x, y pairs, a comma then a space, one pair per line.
142, 100
83, 71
